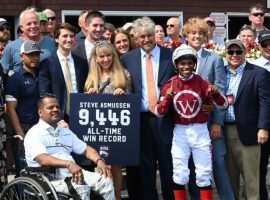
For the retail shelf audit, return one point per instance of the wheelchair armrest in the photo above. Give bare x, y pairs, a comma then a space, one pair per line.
40, 169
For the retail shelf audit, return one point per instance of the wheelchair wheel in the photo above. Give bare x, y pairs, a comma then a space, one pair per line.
23, 188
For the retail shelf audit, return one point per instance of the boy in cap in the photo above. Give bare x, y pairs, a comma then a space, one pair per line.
22, 94
185, 93
211, 30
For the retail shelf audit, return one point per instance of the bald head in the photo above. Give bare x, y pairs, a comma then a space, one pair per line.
173, 27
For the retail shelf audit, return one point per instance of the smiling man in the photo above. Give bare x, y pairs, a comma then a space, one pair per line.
150, 66
22, 93
30, 25
247, 119
95, 22
63, 73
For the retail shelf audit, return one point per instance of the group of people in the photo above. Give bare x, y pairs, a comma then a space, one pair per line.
198, 116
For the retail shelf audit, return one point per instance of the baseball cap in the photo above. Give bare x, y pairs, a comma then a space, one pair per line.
183, 50
263, 36
210, 20
42, 16
30, 46
236, 42
3, 21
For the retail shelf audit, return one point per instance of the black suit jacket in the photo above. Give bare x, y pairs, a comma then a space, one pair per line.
132, 62
51, 78
252, 103
79, 50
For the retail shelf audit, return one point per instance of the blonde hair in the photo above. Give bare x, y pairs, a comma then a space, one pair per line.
119, 78
195, 23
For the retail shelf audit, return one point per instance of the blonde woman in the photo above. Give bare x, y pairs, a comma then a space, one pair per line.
106, 75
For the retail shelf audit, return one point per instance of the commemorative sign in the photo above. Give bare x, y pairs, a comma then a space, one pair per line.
108, 123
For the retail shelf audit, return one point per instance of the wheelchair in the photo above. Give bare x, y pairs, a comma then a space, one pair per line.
33, 184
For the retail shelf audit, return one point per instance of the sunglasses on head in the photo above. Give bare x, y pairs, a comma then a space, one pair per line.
258, 14
51, 18
169, 25
237, 52
2, 28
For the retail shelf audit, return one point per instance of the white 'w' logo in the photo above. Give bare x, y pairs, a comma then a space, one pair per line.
189, 107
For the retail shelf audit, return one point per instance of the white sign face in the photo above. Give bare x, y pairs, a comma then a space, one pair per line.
220, 32
220, 18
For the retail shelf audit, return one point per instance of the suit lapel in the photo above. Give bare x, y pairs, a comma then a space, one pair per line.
77, 71
203, 60
58, 69
162, 65
245, 77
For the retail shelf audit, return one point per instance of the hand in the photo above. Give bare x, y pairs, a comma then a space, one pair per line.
207, 108
262, 136
76, 171
169, 93
63, 124
215, 131
92, 91
212, 89
118, 92
102, 168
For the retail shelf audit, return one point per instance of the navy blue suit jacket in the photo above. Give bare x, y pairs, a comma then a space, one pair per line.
252, 103
51, 78
132, 62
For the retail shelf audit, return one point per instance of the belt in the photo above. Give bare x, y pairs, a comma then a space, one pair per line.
229, 123
149, 114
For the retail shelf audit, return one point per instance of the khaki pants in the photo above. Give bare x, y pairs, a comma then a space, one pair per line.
244, 160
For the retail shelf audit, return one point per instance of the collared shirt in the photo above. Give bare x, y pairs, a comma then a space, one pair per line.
71, 66
22, 87
88, 48
199, 54
262, 62
233, 81
155, 58
59, 142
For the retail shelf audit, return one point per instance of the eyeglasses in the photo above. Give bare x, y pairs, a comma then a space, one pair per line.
2, 28
51, 18
237, 52
258, 14
264, 45
169, 25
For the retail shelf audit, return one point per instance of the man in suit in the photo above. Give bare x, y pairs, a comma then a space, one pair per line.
247, 120
95, 21
211, 68
53, 76
150, 66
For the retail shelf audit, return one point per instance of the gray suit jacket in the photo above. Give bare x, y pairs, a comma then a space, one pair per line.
212, 69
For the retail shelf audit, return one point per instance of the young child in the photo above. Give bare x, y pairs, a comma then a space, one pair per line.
183, 95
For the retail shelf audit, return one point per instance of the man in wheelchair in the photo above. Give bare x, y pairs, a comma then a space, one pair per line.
48, 144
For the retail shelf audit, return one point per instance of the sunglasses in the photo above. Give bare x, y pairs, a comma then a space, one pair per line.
237, 52
258, 14
51, 18
169, 25
210, 24
264, 45
2, 28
